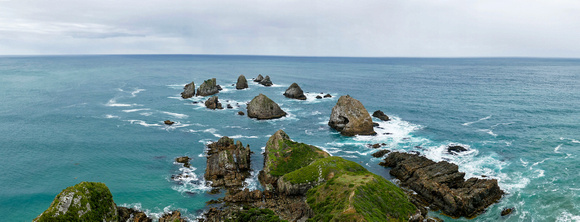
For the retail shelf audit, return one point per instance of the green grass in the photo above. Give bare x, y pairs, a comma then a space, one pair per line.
325, 168
292, 156
99, 197
258, 215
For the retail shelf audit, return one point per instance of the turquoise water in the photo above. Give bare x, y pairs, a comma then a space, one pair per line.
67, 119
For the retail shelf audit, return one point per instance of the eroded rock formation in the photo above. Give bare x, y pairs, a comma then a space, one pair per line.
350, 118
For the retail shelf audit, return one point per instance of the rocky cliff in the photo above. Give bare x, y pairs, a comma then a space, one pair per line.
228, 163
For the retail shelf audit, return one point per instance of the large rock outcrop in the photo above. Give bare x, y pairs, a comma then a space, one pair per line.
132, 215
259, 78
228, 163
350, 118
442, 185
213, 103
295, 92
208, 87
266, 81
283, 156
242, 82
262, 107
86, 201
188, 90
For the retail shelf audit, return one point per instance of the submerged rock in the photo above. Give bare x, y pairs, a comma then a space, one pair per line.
259, 78
86, 201
168, 122
455, 149
262, 107
208, 87
506, 211
327, 96
350, 118
241, 113
382, 116
228, 164
242, 82
380, 153
266, 81
295, 92
442, 185
188, 90
318, 97
213, 103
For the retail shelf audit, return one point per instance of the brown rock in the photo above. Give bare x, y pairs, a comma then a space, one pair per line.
242, 82
327, 96
259, 78
382, 116
184, 160
213, 103
350, 118
295, 92
262, 107
208, 87
241, 113
266, 81
132, 215
228, 164
380, 153
174, 216
168, 122
506, 211
188, 90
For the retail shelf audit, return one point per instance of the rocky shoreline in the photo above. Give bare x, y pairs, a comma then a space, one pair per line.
302, 182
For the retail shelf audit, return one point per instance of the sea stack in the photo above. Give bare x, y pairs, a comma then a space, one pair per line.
382, 116
350, 118
242, 82
213, 103
262, 107
188, 90
259, 78
228, 163
295, 92
208, 87
266, 81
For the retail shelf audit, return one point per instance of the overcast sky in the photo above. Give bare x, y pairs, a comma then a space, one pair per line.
385, 28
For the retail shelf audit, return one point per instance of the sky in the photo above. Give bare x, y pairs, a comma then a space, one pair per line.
361, 28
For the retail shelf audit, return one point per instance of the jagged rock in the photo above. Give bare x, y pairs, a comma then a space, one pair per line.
132, 215
295, 155
380, 153
229, 106
213, 103
266, 81
228, 164
241, 113
318, 97
262, 107
174, 216
243, 196
327, 96
184, 160
168, 122
86, 201
295, 92
350, 118
259, 78
242, 82
219, 87
442, 185
507, 211
382, 116
208, 87
188, 90
455, 149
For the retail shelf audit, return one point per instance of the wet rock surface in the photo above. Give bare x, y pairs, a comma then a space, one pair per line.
442, 186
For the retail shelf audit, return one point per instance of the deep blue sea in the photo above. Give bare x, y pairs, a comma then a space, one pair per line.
67, 119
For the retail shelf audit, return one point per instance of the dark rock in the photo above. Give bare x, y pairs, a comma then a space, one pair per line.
184, 160
242, 82
327, 96
442, 185
506, 211
188, 90
262, 107
213, 103
132, 215
379, 114
245, 195
241, 113
375, 146
219, 87
195, 102
174, 216
229, 106
208, 87
350, 118
228, 164
168, 122
455, 149
259, 78
319, 97
295, 92
380, 153
375, 124
266, 81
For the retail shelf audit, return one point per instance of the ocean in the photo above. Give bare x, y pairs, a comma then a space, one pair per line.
67, 119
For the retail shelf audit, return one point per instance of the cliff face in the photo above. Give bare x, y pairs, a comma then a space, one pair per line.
228, 164
350, 118
86, 201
